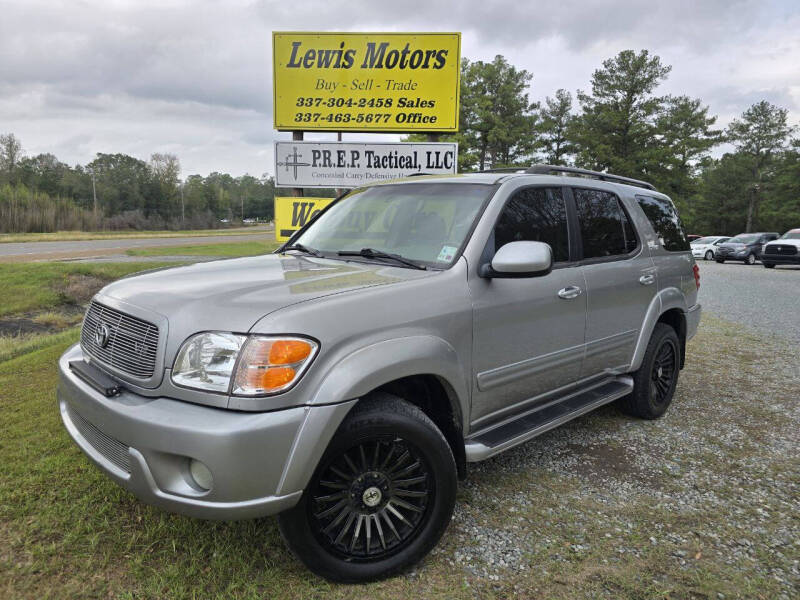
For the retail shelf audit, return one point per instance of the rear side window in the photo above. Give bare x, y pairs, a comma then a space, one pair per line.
535, 215
605, 228
665, 221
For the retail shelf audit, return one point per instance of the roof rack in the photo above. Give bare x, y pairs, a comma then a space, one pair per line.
542, 169
547, 169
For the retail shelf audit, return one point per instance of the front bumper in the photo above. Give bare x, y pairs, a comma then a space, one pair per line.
260, 462
781, 259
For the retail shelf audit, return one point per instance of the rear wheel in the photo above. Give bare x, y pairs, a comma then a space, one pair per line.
769, 265
381, 497
655, 381
709, 255
751, 259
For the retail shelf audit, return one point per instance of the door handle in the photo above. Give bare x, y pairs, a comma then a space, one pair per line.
572, 291
647, 279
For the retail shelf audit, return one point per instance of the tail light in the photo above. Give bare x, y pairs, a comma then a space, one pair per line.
696, 271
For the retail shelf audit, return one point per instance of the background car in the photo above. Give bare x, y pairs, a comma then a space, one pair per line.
745, 247
705, 247
783, 251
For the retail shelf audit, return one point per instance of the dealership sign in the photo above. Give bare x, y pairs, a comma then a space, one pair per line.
293, 213
366, 81
349, 165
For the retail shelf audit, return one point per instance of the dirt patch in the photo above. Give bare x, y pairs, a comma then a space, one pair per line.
79, 289
611, 461
32, 323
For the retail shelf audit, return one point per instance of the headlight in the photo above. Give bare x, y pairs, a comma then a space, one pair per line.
266, 364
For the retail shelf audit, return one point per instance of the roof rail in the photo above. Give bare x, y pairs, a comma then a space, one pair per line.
541, 169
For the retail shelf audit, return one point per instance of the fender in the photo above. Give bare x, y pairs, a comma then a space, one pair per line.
666, 299
355, 376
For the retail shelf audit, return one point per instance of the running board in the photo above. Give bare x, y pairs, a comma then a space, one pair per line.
508, 434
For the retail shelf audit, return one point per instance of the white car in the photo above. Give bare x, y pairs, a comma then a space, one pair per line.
706, 247
783, 251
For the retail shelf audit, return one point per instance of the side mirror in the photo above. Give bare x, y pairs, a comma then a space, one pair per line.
519, 259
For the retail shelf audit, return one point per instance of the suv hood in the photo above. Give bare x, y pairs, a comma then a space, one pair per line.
231, 295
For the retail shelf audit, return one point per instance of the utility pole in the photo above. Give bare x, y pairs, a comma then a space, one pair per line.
339, 191
94, 195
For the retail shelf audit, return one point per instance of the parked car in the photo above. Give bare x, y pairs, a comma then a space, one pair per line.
692, 237
745, 247
705, 247
347, 380
783, 251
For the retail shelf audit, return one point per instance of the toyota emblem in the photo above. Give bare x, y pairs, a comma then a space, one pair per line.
101, 335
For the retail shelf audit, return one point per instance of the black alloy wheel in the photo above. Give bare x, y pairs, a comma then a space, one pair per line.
662, 375
380, 498
371, 499
655, 381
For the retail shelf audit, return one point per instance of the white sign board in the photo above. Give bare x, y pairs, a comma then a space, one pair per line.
349, 165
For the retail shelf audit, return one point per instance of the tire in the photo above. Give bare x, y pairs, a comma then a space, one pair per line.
769, 265
383, 441
720, 261
709, 255
751, 259
655, 381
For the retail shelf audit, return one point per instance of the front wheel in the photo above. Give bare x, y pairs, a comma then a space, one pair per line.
655, 381
381, 497
751, 259
769, 265
709, 255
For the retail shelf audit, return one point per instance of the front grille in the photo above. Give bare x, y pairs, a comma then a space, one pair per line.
113, 450
787, 250
130, 344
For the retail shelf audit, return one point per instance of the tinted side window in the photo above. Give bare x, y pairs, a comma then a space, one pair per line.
665, 221
605, 228
535, 215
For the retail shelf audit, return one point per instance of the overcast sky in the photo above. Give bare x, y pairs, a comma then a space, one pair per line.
194, 77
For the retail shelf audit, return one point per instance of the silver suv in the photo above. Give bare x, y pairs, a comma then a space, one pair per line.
346, 380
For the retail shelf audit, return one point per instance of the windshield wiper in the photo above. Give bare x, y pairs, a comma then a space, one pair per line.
303, 249
372, 253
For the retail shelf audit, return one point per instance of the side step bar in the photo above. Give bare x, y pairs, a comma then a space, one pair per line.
510, 433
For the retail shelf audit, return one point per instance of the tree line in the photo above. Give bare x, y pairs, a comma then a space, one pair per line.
621, 124
118, 191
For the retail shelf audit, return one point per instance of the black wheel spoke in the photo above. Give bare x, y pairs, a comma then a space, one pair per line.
371, 499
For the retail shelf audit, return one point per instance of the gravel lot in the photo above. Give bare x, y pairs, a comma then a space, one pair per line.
767, 300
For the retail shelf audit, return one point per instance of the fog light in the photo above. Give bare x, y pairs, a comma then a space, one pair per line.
200, 474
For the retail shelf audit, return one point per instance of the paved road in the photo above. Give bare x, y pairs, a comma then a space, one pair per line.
34, 251
767, 300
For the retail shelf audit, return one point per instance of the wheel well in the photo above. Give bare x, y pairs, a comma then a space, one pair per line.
439, 402
675, 318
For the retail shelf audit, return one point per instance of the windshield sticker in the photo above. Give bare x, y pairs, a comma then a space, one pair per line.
447, 254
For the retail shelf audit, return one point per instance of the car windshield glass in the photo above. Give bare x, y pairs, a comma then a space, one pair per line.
704, 240
425, 222
791, 235
743, 239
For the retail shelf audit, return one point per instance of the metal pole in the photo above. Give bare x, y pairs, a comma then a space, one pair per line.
339, 191
297, 136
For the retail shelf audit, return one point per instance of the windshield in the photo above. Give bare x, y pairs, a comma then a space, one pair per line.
705, 240
791, 235
748, 238
426, 222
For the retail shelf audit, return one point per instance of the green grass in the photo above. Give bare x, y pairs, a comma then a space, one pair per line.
66, 531
36, 286
229, 249
13, 346
68, 236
